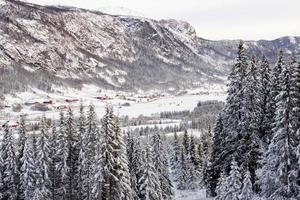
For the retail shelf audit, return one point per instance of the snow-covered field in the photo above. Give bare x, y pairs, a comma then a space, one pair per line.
138, 104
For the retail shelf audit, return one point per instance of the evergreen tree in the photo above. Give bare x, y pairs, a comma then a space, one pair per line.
9, 167
247, 192
186, 142
192, 176
193, 153
267, 172
229, 138
115, 173
175, 155
28, 171
248, 149
295, 125
280, 151
264, 96
121, 166
221, 187
276, 87
233, 182
134, 154
54, 177
43, 162
149, 182
83, 139
233, 108
87, 154
62, 155
200, 155
72, 139
96, 169
161, 165
206, 142
19, 154
183, 171
215, 170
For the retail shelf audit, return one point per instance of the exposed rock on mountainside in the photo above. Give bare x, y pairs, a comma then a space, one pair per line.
45, 45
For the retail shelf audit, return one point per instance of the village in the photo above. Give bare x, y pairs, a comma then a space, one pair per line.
50, 105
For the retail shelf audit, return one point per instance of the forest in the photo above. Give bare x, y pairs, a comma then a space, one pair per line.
252, 151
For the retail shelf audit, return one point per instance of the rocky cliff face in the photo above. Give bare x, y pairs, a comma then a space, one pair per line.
44, 45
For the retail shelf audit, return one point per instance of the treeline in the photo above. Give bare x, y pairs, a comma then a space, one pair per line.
80, 158
257, 135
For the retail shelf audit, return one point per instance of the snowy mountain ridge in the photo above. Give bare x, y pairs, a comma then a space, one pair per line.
45, 45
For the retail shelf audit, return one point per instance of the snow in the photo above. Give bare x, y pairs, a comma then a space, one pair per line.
177, 103
292, 39
191, 195
138, 106
195, 132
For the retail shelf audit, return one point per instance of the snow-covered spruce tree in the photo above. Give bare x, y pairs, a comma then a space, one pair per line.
96, 169
183, 170
295, 115
161, 165
275, 89
19, 153
43, 162
200, 155
280, 152
175, 157
233, 182
28, 170
115, 173
233, 108
206, 140
87, 154
108, 160
192, 175
149, 184
81, 128
186, 142
267, 172
265, 112
193, 153
134, 154
121, 166
215, 170
231, 117
62, 155
72, 139
295, 95
9, 166
248, 149
221, 187
54, 177
247, 192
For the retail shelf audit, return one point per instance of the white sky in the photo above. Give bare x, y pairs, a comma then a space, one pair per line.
213, 19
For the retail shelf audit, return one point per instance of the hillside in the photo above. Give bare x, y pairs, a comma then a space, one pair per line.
45, 45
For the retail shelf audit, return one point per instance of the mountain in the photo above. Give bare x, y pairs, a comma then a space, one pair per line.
42, 46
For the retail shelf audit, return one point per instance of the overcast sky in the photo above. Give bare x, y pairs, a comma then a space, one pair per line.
213, 19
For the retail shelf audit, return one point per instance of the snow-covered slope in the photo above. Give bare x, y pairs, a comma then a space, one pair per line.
45, 45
